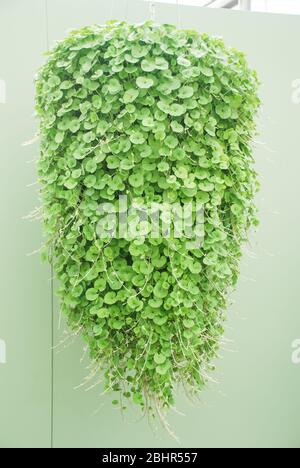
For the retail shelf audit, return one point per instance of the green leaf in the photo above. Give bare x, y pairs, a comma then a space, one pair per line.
148, 122
103, 313
163, 167
90, 181
74, 126
89, 232
97, 101
114, 86
181, 172
184, 62
160, 320
188, 323
89, 137
54, 81
177, 110
177, 127
163, 369
126, 165
188, 334
207, 71
159, 358
71, 183
117, 324
91, 166
91, 294
148, 65
97, 330
110, 298
211, 258
59, 137
171, 142
161, 63
138, 398
130, 95
144, 83
224, 111
136, 180
134, 303
137, 138
76, 174
206, 186
186, 92
139, 51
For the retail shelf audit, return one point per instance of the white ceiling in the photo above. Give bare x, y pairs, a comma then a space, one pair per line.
272, 6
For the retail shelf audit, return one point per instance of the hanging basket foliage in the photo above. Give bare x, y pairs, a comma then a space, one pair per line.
161, 115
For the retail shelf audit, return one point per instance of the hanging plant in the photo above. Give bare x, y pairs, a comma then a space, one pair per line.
159, 115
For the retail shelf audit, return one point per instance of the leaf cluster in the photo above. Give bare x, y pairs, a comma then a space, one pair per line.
162, 115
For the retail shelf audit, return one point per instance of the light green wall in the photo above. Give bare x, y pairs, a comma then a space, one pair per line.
256, 402
25, 300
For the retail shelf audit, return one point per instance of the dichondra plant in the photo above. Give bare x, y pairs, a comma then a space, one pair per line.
159, 115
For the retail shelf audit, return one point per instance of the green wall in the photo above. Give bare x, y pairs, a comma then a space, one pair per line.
256, 400
25, 299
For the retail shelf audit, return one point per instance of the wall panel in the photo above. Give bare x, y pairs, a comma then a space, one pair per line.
25, 300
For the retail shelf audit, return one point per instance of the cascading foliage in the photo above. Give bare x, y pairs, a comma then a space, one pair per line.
161, 115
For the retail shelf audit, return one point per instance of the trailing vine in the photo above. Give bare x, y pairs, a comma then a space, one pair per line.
162, 115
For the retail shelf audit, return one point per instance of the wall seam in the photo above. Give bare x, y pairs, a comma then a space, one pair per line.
52, 295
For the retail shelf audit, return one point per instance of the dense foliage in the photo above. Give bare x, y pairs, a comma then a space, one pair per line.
163, 115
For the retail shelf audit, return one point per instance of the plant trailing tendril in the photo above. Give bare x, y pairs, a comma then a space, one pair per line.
163, 115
